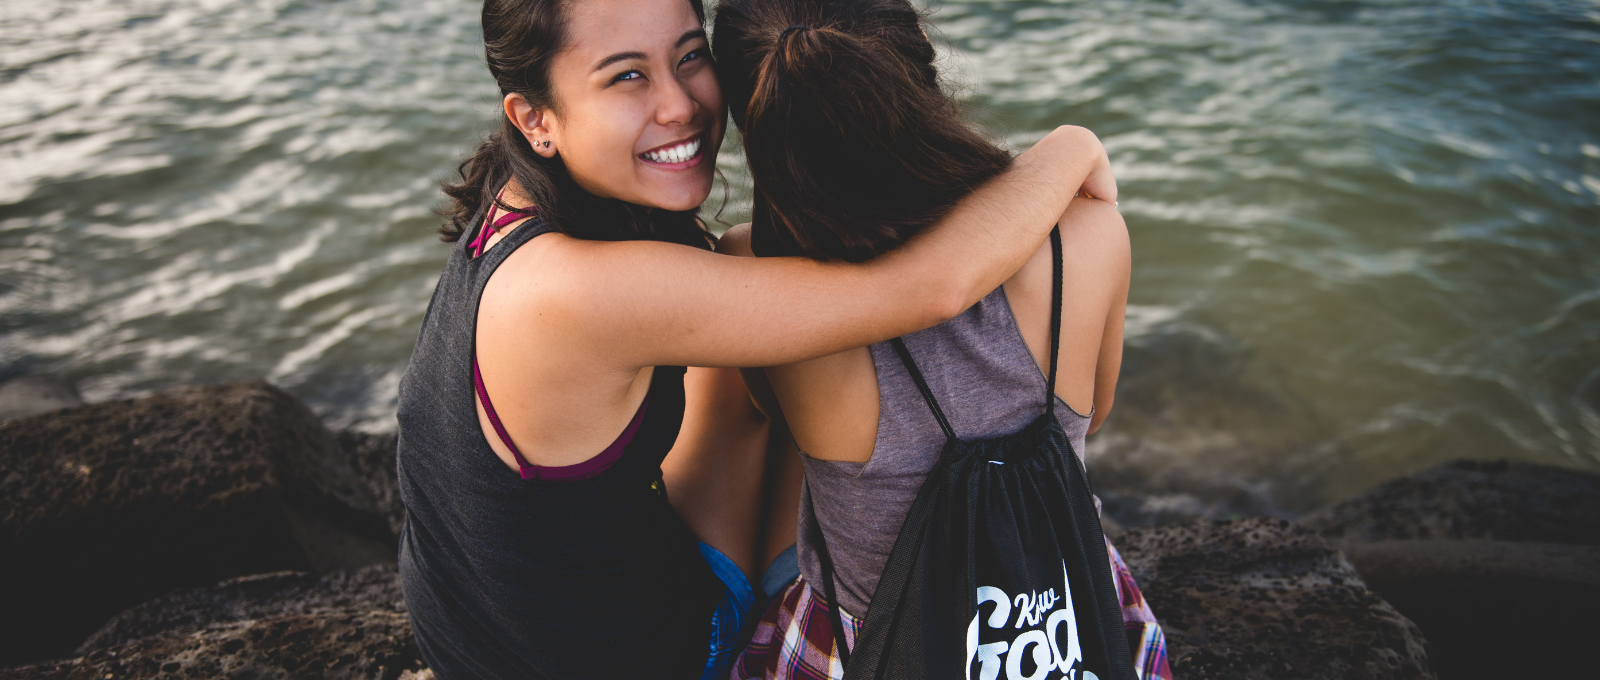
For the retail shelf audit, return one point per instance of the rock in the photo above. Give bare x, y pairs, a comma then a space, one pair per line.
332, 646
1154, 507
1491, 559
1562, 576
1491, 608
348, 624
30, 394
1263, 598
372, 588
373, 458
1497, 500
106, 505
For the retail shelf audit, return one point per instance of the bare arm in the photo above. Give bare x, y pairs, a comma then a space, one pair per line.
1110, 362
715, 471
1099, 262
636, 304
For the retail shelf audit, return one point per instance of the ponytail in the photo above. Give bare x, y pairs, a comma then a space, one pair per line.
853, 147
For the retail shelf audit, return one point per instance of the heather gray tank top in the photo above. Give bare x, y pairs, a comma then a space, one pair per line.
988, 385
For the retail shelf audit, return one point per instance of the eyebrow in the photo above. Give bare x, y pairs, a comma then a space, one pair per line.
624, 56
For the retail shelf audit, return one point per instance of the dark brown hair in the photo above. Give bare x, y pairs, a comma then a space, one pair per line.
520, 39
852, 144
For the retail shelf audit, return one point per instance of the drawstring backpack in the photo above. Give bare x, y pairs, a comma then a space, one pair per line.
1000, 570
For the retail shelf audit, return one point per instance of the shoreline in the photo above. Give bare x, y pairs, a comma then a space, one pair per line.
186, 527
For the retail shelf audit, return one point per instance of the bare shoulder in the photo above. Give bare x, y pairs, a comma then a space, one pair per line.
736, 241
1094, 249
1095, 232
1096, 262
531, 282
585, 291
553, 275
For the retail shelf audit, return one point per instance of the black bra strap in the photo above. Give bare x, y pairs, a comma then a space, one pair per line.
1055, 321
922, 385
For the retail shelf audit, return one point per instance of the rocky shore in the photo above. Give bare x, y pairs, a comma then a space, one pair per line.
225, 532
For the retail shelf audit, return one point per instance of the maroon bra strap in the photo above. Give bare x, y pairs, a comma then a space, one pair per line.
489, 228
584, 470
492, 225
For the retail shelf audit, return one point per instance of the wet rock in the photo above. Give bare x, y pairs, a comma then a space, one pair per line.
1491, 608
334, 646
106, 505
372, 456
372, 588
1149, 507
348, 624
1496, 500
30, 394
1493, 560
1263, 598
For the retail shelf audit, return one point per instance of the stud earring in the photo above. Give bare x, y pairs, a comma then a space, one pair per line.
547, 145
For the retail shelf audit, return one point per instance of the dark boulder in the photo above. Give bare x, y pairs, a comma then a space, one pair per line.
333, 646
1492, 608
347, 624
1264, 598
372, 588
106, 505
372, 457
1495, 561
1496, 500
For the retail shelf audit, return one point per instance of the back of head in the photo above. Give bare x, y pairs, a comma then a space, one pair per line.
853, 147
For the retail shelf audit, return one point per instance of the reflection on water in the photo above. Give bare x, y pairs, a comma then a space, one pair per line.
1364, 232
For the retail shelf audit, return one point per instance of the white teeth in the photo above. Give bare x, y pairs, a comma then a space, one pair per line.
675, 154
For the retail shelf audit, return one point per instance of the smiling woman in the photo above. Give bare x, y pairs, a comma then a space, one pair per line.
547, 385
655, 105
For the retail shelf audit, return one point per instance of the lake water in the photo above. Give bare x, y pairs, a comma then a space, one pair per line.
1366, 234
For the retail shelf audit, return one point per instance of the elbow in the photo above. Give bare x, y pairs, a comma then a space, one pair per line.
959, 288
1101, 412
1072, 136
949, 302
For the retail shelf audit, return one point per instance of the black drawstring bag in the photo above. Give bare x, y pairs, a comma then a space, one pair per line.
1000, 570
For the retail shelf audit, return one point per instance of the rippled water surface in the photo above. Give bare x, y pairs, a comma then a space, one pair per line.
1365, 233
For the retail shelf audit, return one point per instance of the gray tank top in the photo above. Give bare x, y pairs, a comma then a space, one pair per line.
988, 385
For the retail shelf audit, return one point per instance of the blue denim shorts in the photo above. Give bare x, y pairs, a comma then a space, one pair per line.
729, 629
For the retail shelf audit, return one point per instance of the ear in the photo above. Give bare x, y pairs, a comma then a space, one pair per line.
536, 124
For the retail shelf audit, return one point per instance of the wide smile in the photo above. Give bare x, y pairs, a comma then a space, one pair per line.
677, 155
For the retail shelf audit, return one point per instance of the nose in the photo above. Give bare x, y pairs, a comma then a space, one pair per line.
674, 105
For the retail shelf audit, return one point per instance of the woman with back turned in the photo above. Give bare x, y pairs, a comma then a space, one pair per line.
854, 149
547, 384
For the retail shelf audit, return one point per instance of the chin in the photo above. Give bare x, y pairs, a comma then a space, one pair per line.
687, 198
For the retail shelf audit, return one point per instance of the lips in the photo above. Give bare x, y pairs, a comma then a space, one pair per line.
676, 152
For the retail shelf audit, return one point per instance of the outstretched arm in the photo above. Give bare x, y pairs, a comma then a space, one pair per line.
639, 303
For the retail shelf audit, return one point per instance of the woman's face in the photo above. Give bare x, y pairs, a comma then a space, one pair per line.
639, 112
